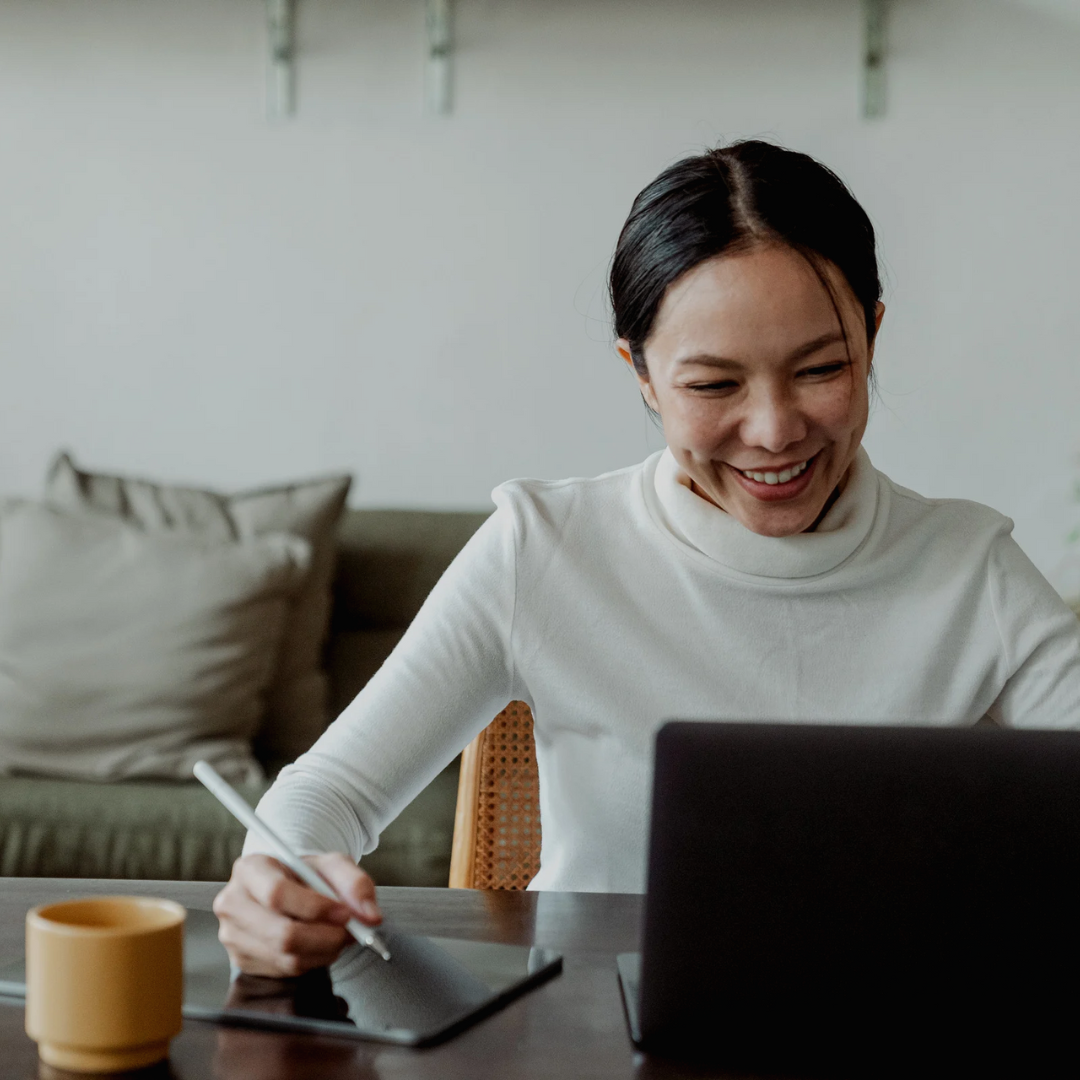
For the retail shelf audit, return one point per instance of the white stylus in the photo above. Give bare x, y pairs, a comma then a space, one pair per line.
235, 803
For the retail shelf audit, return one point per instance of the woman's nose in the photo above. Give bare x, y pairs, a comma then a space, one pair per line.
772, 422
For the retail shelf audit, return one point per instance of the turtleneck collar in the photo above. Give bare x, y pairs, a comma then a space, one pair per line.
719, 536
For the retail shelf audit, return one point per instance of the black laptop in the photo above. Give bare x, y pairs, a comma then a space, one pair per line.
861, 901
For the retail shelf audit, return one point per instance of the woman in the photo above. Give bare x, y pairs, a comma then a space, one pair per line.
758, 568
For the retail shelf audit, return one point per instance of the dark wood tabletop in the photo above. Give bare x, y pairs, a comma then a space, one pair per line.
572, 1026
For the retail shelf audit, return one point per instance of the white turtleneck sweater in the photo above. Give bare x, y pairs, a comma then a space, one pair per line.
613, 604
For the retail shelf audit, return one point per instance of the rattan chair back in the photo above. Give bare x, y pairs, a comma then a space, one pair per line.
497, 824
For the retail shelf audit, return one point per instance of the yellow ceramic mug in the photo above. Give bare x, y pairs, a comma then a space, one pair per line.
104, 981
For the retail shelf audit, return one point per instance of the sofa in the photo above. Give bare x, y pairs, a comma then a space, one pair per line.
387, 562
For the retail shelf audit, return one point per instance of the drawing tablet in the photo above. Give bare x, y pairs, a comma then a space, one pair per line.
430, 990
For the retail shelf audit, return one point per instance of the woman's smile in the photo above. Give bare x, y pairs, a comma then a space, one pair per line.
774, 474
772, 484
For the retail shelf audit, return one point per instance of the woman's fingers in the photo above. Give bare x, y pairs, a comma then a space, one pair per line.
262, 942
279, 889
273, 924
352, 885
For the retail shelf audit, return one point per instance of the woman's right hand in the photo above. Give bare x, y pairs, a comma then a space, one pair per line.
271, 923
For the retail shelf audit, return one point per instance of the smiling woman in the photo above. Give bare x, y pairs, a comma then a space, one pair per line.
761, 386
747, 298
759, 568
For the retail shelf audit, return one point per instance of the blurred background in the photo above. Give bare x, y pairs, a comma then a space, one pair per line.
194, 291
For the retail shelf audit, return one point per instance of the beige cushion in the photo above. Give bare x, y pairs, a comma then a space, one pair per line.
125, 653
296, 706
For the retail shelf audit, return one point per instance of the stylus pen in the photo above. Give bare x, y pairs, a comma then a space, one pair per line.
235, 803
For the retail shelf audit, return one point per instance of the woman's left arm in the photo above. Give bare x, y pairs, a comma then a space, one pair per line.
1040, 637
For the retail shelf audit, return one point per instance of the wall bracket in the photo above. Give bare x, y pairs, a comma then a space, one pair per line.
281, 66
440, 48
874, 51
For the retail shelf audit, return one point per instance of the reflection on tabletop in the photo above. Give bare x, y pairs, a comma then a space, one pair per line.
162, 1070
249, 1054
242, 1053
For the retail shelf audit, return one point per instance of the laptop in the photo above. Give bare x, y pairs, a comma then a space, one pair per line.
834, 900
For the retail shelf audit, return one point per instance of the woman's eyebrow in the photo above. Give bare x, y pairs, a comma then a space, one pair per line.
803, 351
811, 347
709, 360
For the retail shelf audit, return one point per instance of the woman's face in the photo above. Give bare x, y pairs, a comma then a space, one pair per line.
763, 401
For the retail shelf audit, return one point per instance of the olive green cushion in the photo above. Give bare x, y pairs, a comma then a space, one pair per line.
174, 831
389, 560
167, 830
414, 849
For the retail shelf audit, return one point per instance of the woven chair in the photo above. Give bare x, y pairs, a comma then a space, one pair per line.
497, 823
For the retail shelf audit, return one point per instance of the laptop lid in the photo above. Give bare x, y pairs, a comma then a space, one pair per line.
845, 900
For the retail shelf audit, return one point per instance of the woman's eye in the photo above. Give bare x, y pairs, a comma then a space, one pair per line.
727, 384
822, 370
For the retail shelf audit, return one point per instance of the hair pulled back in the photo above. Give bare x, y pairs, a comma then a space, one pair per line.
729, 199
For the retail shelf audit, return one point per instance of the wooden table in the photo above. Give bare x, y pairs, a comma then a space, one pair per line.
571, 1027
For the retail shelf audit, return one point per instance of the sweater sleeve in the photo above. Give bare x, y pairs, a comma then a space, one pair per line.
450, 674
1041, 641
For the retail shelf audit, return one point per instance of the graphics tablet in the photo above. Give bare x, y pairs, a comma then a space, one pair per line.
431, 989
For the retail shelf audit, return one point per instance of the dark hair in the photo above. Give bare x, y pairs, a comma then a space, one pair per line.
728, 199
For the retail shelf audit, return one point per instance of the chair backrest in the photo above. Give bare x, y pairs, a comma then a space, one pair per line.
497, 824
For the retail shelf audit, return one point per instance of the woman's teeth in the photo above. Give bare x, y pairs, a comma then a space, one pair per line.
776, 478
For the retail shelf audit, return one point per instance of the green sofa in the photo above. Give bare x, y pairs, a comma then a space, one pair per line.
388, 560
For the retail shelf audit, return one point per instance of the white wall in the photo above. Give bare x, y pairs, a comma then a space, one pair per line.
189, 292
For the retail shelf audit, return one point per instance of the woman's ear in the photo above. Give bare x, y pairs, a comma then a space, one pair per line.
623, 348
879, 314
